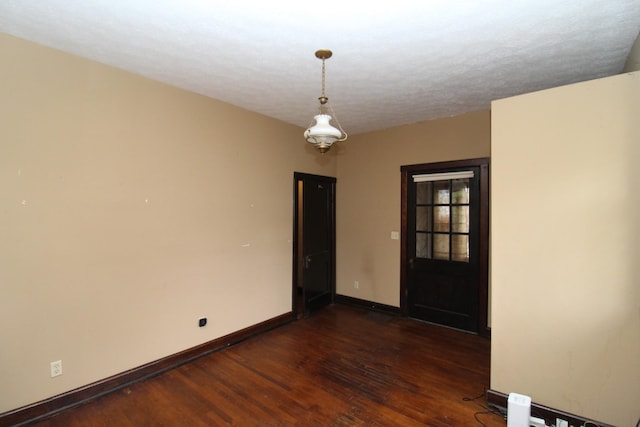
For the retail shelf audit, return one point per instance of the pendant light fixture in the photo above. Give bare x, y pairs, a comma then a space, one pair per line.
322, 134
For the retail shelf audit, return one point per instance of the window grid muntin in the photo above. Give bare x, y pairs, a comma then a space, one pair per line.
431, 197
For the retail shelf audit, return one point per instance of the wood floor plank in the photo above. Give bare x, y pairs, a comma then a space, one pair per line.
343, 366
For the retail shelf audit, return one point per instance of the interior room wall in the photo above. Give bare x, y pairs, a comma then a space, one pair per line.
565, 271
633, 59
129, 210
368, 196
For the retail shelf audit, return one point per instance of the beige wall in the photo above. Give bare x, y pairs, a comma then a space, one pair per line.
368, 196
565, 248
130, 209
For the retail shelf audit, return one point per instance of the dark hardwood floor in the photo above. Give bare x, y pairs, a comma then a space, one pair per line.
342, 366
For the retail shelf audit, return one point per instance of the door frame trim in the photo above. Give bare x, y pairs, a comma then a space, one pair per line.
483, 257
300, 176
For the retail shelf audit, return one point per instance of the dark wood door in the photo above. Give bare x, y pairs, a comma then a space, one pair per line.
315, 240
443, 257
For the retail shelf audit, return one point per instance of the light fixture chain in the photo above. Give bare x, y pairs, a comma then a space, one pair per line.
323, 95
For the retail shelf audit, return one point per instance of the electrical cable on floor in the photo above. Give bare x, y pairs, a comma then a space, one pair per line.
488, 409
471, 399
478, 419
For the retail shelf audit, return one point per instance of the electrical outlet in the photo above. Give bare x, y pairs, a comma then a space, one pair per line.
202, 322
356, 285
56, 368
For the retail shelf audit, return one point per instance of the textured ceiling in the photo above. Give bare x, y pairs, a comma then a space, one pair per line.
394, 62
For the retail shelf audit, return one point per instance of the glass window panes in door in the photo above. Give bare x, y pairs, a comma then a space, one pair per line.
442, 220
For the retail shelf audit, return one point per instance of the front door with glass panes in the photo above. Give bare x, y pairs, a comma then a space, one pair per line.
442, 247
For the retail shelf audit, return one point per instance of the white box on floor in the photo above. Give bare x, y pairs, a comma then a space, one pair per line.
518, 410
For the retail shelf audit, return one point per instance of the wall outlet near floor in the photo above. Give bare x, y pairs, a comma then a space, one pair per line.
202, 322
56, 368
356, 285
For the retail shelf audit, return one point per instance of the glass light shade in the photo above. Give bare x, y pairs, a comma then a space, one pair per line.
322, 134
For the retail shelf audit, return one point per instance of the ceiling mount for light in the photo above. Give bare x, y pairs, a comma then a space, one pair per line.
322, 134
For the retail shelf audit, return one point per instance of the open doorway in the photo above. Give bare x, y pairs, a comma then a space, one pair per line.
313, 243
